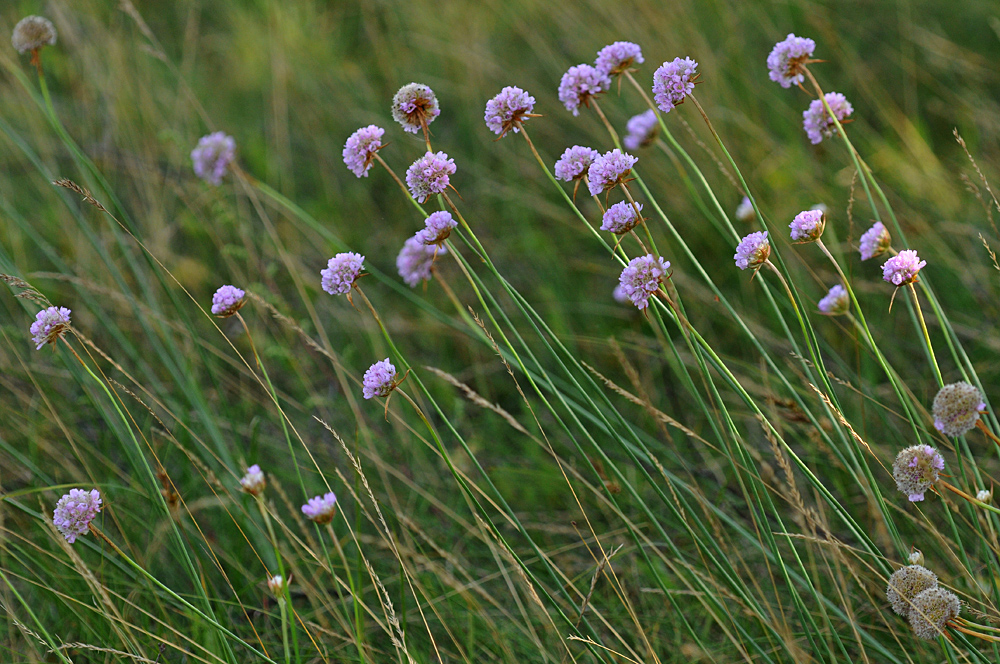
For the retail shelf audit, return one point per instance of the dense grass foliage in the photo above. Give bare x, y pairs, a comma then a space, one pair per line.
559, 476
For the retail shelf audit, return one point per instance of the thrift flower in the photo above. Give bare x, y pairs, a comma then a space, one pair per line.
574, 162
984, 496
320, 509
905, 584
359, 151
674, 81
618, 57
276, 584
253, 482
227, 301
818, 123
641, 130
836, 302
916, 469
429, 175
212, 157
341, 272
379, 379
508, 110
642, 277
931, 611
437, 228
416, 259
49, 325
619, 294
74, 512
414, 106
902, 268
752, 251
620, 218
807, 226
874, 242
32, 33
788, 59
956, 408
745, 211
609, 170
916, 557
581, 83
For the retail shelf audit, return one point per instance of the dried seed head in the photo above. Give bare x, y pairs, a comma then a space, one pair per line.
32, 33
956, 408
916, 469
931, 611
905, 584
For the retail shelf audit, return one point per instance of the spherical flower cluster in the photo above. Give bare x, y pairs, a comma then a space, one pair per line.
320, 509
437, 228
227, 301
429, 175
931, 611
253, 482
608, 170
341, 272
74, 512
807, 226
508, 110
916, 469
752, 250
359, 151
674, 81
956, 408
642, 277
378, 380
49, 325
414, 106
416, 259
745, 211
212, 156
276, 584
579, 84
575, 162
618, 57
902, 268
641, 130
620, 218
905, 584
836, 302
874, 242
818, 123
788, 58
32, 33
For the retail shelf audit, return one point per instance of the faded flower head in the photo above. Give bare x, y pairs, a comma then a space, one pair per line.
428, 175
674, 81
416, 259
905, 584
916, 557
984, 496
575, 162
902, 268
437, 228
32, 33
359, 151
609, 170
620, 218
788, 58
74, 512
276, 584
641, 130
227, 301
807, 226
618, 57
321, 509
579, 84
508, 110
212, 156
340, 273
752, 250
253, 482
931, 611
836, 302
818, 123
745, 211
956, 408
916, 469
619, 294
49, 325
642, 277
874, 242
379, 379
414, 106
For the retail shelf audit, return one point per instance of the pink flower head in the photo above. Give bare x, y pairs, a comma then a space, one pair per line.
74, 512
642, 277
429, 175
414, 106
618, 57
641, 130
579, 84
902, 268
609, 170
49, 325
320, 509
227, 301
437, 228
360, 149
674, 81
620, 218
574, 162
508, 110
253, 482
818, 123
379, 380
788, 59
836, 302
416, 259
340, 273
752, 251
874, 242
212, 157
807, 226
